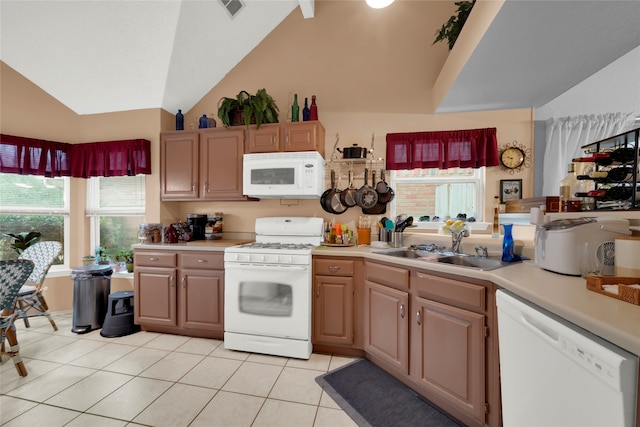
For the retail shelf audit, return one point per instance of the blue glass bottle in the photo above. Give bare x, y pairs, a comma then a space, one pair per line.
204, 122
306, 113
507, 245
179, 121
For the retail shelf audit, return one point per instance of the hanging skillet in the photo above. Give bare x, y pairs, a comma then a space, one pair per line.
328, 198
366, 197
327, 193
379, 207
348, 196
334, 203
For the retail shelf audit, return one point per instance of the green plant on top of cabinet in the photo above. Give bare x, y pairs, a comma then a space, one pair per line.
201, 165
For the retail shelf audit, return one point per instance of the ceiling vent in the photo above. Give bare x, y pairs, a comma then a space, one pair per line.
232, 6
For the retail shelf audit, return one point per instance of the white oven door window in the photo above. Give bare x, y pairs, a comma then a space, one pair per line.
268, 300
265, 298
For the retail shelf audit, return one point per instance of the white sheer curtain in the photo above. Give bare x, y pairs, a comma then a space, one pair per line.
566, 135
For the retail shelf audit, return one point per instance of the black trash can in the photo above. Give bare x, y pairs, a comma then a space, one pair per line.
91, 288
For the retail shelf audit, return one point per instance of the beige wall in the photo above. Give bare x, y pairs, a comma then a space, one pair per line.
372, 71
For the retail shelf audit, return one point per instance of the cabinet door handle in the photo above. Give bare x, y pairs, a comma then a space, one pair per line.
318, 290
418, 318
153, 258
202, 261
205, 187
334, 268
286, 139
184, 281
193, 187
171, 281
402, 310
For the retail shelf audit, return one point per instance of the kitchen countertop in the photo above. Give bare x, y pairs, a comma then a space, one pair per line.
196, 245
566, 296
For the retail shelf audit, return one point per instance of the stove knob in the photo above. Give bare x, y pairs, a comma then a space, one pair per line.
286, 259
272, 259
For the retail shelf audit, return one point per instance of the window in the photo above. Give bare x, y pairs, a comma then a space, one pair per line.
116, 208
438, 192
34, 203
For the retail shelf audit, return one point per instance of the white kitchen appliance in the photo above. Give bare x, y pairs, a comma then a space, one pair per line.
553, 373
267, 300
290, 175
558, 242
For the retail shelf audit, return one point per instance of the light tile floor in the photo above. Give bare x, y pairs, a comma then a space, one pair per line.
154, 379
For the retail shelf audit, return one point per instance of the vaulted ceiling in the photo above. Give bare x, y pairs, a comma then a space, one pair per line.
99, 56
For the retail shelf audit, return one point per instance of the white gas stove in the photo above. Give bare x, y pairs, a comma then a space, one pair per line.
268, 288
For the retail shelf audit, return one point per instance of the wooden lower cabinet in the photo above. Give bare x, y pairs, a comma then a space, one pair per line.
386, 327
337, 306
447, 354
433, 334
180, 292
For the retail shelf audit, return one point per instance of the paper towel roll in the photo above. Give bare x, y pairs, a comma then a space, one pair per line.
627, 256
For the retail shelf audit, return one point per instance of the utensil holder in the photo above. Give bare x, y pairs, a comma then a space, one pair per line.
396, 239
385, 235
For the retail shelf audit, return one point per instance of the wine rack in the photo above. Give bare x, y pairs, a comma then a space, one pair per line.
614, 171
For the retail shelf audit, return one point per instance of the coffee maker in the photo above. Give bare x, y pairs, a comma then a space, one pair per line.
198, 223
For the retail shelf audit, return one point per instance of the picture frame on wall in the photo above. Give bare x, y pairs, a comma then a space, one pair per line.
510, 189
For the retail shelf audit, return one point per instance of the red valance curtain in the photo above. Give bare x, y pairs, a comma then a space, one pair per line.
472, 148
113, 158
28, 156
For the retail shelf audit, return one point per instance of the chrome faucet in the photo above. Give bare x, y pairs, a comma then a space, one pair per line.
456, 240
482, 251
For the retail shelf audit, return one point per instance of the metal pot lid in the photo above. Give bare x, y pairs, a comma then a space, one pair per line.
563, 224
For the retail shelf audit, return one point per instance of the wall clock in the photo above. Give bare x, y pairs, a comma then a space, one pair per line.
514, 157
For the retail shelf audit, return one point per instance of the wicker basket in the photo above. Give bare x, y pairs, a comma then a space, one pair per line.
625, 292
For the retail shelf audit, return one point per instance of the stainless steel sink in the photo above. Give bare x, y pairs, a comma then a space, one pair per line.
470, 261
459, 260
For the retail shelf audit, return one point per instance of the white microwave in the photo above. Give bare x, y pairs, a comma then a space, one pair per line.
290, 175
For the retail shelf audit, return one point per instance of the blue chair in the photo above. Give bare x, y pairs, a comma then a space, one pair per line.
13, 274
31, 301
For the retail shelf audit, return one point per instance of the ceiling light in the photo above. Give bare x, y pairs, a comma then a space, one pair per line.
379, 4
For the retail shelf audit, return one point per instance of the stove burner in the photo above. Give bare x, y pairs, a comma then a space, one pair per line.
277, 246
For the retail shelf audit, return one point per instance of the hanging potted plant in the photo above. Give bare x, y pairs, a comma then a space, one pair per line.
451, 29
247, 109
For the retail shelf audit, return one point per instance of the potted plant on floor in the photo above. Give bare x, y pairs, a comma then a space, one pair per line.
246, 109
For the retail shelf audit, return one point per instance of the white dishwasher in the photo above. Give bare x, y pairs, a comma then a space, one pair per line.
554, 373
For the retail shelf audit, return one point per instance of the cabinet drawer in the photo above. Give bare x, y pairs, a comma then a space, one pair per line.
155, 259
394, 277
334, 267
440, 288
203, 260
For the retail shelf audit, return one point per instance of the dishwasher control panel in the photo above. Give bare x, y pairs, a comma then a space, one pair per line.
590, 361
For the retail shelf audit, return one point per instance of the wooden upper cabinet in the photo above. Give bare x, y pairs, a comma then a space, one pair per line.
264, 140
202, 165
221, 153
292, 136
304, 136
179, 165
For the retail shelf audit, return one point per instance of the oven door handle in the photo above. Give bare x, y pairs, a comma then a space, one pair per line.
266, 267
